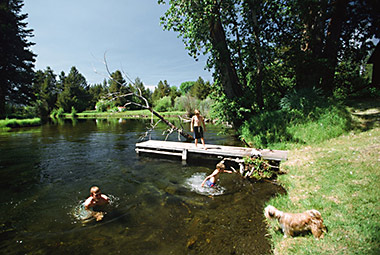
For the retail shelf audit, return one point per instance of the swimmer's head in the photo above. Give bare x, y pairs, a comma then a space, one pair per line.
94, 190
220, 166
196, 112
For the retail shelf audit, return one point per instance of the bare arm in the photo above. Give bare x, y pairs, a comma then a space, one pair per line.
87, 203
192, 124
204, 181
208, 177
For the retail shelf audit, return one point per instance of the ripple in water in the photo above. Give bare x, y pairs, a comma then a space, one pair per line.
194, 184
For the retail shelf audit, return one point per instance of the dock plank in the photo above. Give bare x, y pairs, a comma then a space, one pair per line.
178, 148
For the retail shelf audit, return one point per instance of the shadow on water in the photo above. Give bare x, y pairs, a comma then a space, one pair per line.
159, 206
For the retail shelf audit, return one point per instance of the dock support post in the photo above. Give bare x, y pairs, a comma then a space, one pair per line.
184, 155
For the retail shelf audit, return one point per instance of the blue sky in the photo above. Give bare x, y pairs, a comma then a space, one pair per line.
79, 32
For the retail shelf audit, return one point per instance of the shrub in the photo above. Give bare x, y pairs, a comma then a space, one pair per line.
73, 111
103, 105
186, 103
164, 104
57, 113
304, 100
278, 129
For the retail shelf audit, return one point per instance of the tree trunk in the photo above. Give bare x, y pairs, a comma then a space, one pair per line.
330, 53
259, 63
229, 78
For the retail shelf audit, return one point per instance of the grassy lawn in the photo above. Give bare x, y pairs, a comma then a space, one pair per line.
340, 178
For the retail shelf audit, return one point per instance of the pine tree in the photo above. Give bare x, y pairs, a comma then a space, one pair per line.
75, 93
16, 60
45, 91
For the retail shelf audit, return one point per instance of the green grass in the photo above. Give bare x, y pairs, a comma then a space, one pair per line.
7, 124
290, 129
340, 178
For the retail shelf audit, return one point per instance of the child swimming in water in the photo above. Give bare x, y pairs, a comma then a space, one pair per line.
212, 178
96, 200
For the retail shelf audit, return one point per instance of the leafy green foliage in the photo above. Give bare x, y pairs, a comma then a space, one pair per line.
186, 86
164, 104
304, 100
282, 128
45, 90
257, 168
162, 90
261, 50
57, 113
104, 105
75, 92
186, 103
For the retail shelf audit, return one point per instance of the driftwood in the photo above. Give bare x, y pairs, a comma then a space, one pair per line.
114, 96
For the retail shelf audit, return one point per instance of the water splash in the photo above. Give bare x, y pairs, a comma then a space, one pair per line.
194, 184
80, 213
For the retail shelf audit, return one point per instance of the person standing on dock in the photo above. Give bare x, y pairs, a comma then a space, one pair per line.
197, 121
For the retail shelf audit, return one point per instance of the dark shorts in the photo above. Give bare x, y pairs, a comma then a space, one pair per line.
198, 132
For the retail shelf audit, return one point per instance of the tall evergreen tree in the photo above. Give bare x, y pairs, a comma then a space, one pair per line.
96, 92
201, 89
117, 86
45, 90
138, 87
16, 59
162, 90
75, 92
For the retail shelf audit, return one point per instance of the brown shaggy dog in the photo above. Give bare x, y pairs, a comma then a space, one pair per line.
292, 223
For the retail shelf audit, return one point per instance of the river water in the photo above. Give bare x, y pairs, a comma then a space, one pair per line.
157, 205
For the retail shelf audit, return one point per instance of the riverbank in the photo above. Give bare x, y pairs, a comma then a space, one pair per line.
125, 114
7, 124
340, 178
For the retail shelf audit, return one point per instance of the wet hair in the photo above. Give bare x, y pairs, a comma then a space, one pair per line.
94, 189
220, 166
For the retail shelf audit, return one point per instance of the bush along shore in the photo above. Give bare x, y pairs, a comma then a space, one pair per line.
338, 177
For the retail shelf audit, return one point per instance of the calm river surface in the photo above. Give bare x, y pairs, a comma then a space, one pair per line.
157, 205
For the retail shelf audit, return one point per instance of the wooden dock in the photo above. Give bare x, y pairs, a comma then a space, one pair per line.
186, 150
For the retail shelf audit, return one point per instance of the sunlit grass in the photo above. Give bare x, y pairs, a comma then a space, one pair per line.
340, 178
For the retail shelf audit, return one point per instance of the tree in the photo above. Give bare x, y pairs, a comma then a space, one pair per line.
97, 91
186, 86
138, 87
260, 50
162, 90
75, 92
16, 59
45, 90
117, 84
173, 94
201, 89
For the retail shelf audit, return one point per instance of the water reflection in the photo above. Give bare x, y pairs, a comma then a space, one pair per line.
45, 174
